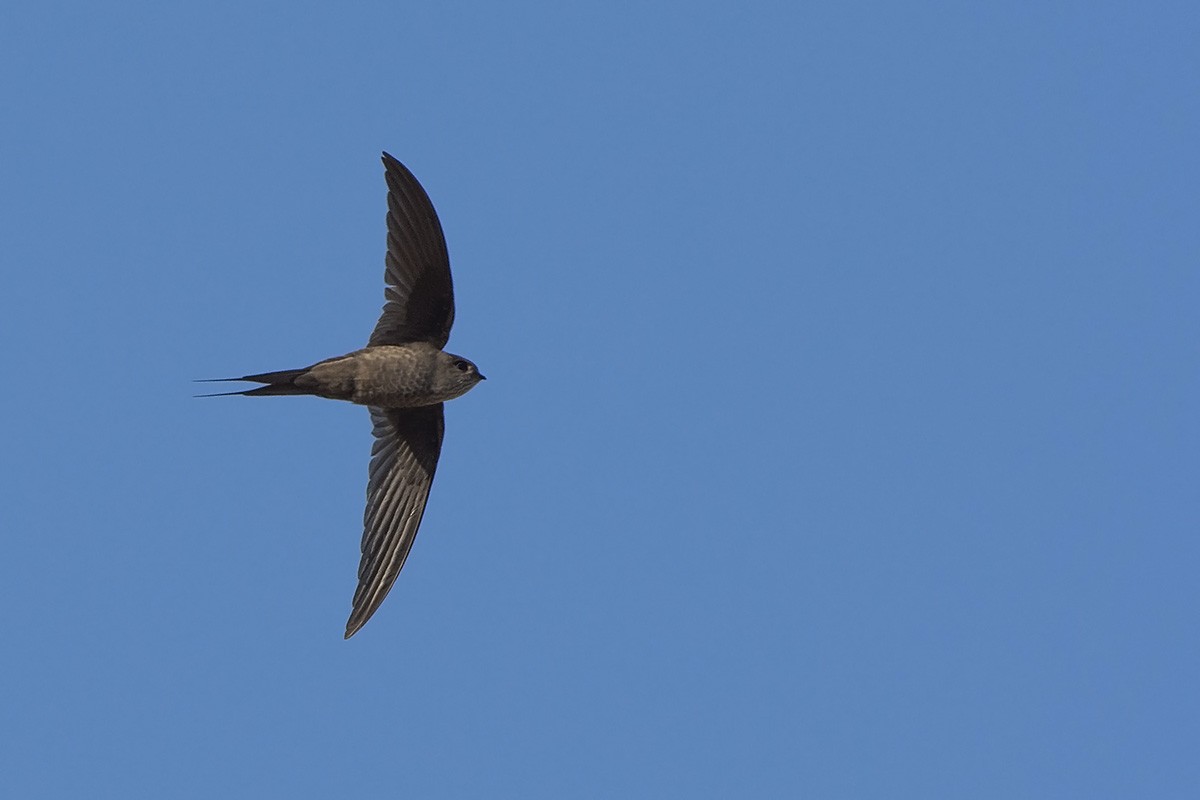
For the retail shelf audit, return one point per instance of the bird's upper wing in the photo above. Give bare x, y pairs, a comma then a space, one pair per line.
419, 296
403, 460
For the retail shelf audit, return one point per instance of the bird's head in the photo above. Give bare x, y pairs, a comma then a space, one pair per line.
456, 375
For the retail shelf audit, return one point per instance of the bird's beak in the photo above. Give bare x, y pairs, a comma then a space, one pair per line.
482, 377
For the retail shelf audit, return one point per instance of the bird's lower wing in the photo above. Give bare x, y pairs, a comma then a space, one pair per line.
403, 460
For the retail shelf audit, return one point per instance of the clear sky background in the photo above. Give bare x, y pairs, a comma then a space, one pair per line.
840, 438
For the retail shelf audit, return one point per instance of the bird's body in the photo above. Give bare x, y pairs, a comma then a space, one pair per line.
387, 375
403, 376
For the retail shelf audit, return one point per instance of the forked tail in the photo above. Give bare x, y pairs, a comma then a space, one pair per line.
277, 383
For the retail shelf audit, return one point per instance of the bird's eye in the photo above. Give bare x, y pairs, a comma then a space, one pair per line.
462, 366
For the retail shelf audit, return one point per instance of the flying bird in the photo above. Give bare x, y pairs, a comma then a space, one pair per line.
403, 376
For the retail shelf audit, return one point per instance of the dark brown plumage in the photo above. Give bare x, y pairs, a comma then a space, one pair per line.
403, 376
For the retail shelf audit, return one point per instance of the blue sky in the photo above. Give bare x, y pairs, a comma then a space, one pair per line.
840, 436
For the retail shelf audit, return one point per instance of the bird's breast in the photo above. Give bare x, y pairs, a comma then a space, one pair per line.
395, 376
